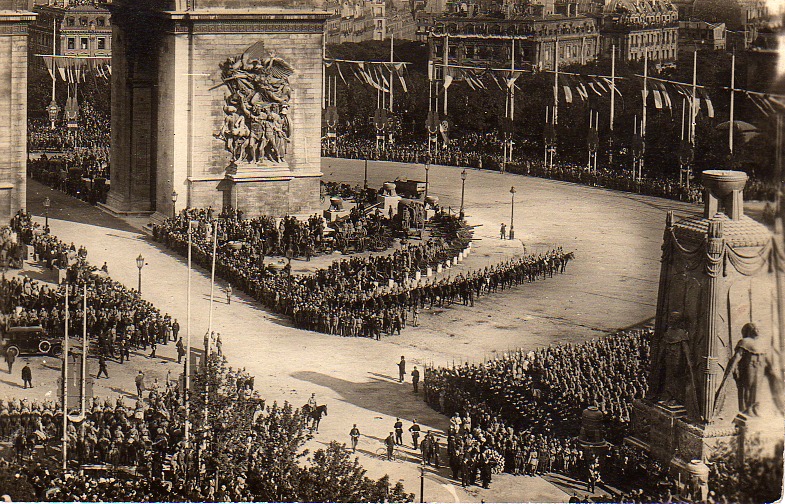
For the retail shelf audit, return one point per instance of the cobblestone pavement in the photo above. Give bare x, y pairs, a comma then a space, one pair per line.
616, 237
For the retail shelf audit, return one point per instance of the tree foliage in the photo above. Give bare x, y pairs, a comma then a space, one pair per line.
261, 447
479, 111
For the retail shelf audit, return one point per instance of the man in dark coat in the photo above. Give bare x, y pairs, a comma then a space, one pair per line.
415, 378
27, 376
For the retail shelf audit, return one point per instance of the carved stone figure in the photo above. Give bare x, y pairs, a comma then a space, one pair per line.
751, 362
256, 127
676, 362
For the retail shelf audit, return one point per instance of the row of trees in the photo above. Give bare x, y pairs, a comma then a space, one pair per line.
479, 111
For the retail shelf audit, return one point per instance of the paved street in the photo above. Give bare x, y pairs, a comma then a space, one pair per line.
616, 238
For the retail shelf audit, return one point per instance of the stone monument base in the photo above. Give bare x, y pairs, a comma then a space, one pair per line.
664, 432
274, 190
759, 437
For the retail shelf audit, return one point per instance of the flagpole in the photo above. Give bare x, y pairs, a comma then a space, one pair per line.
512, 93
84, 348
186, 392
65, 384
694, 108
392, 70
212, 288
645, 92
324, 71
613, 103
446, 57
555, 82
732, 100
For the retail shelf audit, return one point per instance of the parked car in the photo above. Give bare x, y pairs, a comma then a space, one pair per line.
30, 341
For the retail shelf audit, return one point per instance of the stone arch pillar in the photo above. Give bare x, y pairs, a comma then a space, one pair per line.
171, 96
14, 22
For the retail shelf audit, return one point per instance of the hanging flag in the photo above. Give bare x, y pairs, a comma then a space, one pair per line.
581, 88
497, 81
340, 73
657, 99
399, 72
447, 81
512, 76
610, 85
709, 105
665, 96
567, 94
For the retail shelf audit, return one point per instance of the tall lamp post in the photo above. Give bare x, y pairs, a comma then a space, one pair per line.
174, 200
140, 265
422, 482
47, 204
365, 178
463, 190
512, 213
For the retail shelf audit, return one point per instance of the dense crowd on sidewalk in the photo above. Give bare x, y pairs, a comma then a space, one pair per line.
526, 406
487, 152
360, 296
118, 319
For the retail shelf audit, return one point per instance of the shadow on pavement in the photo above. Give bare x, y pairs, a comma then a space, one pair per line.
12, 384
68, 208
379, 395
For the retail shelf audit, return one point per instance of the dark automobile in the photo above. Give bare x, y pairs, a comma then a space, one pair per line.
29, 341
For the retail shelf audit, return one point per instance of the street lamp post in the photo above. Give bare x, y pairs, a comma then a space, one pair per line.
47, 204
463, 190
140, 265
512, 213
174, 200
422, 482
365, 178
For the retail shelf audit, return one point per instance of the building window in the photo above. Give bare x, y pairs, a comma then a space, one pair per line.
71, 43
84, 43
100, 22
70, 22
101, 43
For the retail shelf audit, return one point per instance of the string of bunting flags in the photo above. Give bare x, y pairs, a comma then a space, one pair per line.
662, 89
767, 103
377, 74
74, 69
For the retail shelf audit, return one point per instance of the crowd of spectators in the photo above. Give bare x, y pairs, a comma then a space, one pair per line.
267, 236
93, 132
360, 296
82, 173
486, 151
523, 409
118, 319
136, 447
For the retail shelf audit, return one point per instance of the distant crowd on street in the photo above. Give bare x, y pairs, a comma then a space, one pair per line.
361, 296
486, 151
